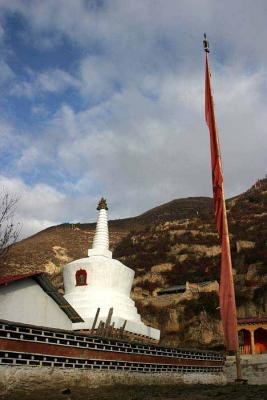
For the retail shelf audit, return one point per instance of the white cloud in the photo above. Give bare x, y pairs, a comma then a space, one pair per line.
141, 152
6, 73
49, 81
11, 143
55, 81
29, 157
2, 33
22, 89
40, 206
238, 29
40, 109
97, 76
6, 132
140, 138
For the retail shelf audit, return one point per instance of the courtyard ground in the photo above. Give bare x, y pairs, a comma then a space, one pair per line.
174, 392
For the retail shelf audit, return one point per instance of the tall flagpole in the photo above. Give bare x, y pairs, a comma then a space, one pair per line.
223, 228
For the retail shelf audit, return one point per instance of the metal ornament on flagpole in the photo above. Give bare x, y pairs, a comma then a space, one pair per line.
206, 44
226, 232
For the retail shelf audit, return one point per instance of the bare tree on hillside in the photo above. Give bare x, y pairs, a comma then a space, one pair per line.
9, 231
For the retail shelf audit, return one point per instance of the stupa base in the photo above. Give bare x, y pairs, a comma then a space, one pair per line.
136, 328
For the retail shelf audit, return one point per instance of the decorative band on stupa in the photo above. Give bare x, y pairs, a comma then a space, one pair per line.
101, 238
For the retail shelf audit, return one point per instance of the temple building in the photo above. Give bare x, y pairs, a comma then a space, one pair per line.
32, 299
101, 282
252, 335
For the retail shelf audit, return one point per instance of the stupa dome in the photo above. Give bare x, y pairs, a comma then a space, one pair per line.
99, 281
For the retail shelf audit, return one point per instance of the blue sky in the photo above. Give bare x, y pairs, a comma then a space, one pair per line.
107, 98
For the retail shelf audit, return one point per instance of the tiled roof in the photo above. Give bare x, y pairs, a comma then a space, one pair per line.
173, 288
4, 280
252, 320
183, 287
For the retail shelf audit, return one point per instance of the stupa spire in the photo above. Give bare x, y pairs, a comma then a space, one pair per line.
101, 239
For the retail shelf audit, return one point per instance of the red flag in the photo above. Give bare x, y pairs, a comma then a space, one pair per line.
227, 293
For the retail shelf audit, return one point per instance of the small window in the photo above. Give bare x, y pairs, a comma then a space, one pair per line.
81, 277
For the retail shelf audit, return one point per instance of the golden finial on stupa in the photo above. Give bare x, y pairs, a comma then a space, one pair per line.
102, 204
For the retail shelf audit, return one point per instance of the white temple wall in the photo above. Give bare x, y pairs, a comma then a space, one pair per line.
26, 302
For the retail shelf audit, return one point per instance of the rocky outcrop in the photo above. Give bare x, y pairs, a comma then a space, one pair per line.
244, 244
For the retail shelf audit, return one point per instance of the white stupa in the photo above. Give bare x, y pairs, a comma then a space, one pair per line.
99, 281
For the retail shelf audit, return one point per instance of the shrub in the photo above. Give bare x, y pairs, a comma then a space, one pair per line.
259, 294
242, 295
208, 302
125, 247
147, 285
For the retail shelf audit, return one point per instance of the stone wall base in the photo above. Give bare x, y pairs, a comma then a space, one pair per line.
14, 379
254, 369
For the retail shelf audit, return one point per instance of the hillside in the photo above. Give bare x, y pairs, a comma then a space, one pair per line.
53, 247
169, 245
177, 250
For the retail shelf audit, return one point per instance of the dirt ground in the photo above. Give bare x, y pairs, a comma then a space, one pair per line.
177, 392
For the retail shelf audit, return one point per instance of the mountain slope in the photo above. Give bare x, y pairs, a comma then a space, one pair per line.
191, 245
169, 245
54, 246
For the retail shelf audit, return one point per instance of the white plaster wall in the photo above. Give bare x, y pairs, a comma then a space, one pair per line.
26, 302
